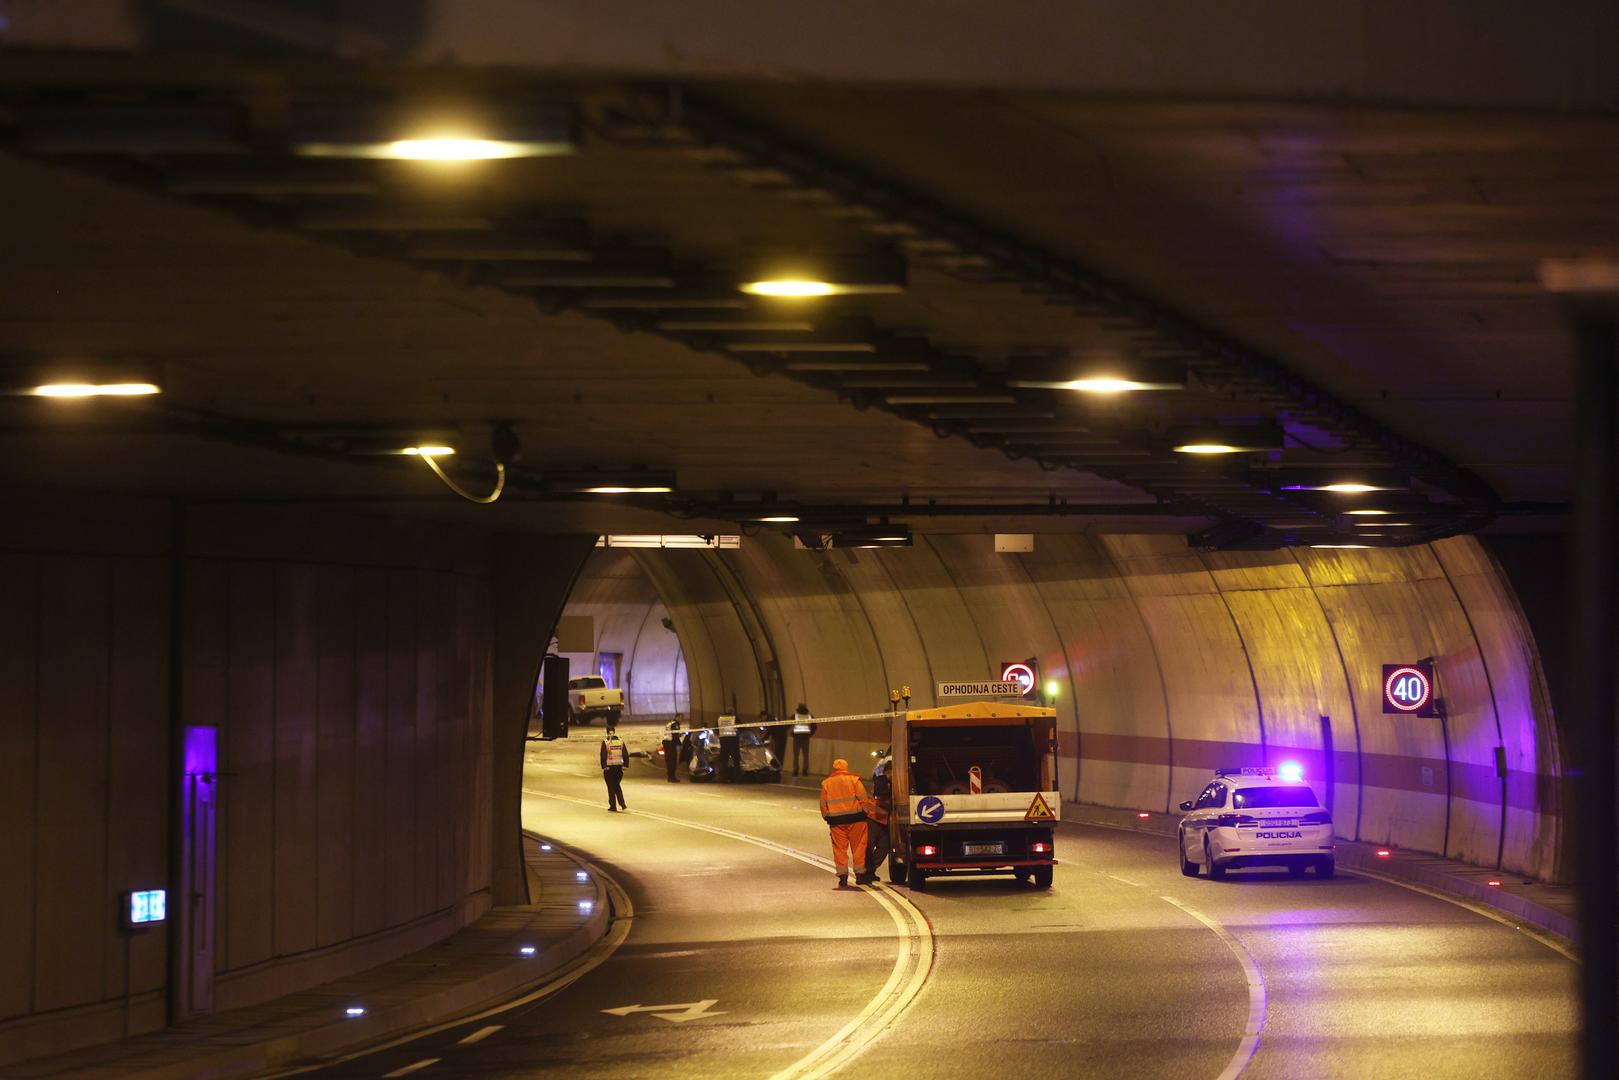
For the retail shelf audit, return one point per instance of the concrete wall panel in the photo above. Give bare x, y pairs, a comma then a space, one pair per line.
72, 806
19, 749
1521, 704
347, 667
1112, 680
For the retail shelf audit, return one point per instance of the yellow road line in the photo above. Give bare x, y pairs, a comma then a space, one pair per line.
912, 964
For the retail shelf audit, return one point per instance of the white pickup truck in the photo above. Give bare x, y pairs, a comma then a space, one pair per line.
589, 696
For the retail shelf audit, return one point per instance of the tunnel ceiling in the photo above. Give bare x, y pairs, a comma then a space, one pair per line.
1353, 289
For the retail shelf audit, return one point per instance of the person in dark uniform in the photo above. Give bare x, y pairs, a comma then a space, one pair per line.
802, 729
615, 755
730, 749
878, 810
671, 748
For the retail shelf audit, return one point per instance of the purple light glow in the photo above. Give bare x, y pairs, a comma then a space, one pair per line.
201, 750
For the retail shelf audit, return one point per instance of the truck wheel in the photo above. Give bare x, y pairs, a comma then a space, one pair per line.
1022, 875
1188, 868
914, 877
1042, 876
1216, 871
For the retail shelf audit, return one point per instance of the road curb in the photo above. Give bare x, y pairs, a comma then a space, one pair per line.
1354, 855
384, 1020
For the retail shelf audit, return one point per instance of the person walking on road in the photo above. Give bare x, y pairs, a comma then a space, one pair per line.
803, 728
614, 757
671, 748
843, 805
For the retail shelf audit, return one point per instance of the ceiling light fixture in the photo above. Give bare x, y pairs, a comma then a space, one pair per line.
86, 390
630, 481
811, 277
386, 133
428, 451
788, 288
778, 519
1227, 438
1341, 546
1102, 376
1367, 512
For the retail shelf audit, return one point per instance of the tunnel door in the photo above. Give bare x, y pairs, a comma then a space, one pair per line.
199, 802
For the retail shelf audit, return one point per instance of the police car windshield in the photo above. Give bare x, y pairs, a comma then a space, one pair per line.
1254, 798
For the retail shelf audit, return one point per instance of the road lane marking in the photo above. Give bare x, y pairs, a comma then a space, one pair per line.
598, 954
1534, 933
408, 1069
912, 964
1256, 991
675, 1014
480, 1035
1126, 880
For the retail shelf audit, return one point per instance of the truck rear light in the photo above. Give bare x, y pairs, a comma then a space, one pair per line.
1040, 847
927, 849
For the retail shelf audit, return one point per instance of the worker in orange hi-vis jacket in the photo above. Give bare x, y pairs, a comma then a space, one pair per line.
843, 805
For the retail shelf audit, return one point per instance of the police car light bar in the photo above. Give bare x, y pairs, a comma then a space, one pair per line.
1247, 770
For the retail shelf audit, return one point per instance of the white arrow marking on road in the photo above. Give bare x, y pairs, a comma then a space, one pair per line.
688, 1010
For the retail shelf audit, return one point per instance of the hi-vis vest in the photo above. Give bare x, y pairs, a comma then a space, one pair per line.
843, 799
615, 749
802, 724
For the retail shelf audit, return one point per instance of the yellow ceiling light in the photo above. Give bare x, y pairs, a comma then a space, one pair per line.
1348, 489
1342, 546
1104, 384
428, 451
1383, 524
789, 288
399, 132
618, 489
1369, 513
1207, 448
778, 519
86, 390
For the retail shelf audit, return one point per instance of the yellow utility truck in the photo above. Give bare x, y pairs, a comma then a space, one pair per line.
974, 792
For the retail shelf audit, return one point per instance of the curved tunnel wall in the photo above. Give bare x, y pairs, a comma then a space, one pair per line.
628, 616
1170, 663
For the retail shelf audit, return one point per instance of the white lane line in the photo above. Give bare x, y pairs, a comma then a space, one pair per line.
1533, 933
888, 1005
1126, 880
408, 1069
1256, 991
480, 1035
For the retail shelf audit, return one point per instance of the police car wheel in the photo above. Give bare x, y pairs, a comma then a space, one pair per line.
1326, 867
1042, 876
1216, 871
1296, 869
1188, 867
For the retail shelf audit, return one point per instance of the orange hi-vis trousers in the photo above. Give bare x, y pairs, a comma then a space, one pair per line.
847, 838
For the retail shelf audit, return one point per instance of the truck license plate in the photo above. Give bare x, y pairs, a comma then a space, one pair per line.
996, 848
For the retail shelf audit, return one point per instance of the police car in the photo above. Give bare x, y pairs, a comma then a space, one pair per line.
1256, 817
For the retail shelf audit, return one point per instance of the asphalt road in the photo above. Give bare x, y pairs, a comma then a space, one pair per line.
1123, 969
